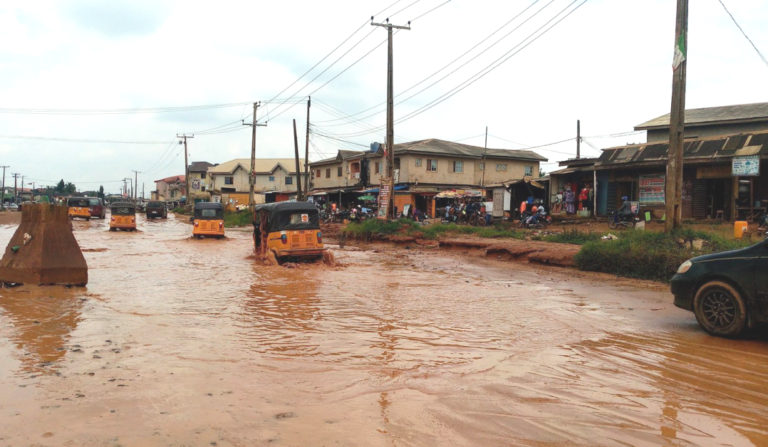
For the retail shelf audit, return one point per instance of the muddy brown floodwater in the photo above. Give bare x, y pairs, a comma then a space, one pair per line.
179, 342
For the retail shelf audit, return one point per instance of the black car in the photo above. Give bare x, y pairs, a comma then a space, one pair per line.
156, 208
727, 291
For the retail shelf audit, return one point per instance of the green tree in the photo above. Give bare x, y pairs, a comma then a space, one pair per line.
70, 188
60, 186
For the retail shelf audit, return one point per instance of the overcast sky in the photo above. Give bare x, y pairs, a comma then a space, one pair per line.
608, 64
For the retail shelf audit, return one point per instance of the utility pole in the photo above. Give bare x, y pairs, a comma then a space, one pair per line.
15, 187
142, 191
485, 153
252, 174
299, 197
390, 116
674, 180
578, 138
306, 154
22, 184
136, 189
2, 202
186, 165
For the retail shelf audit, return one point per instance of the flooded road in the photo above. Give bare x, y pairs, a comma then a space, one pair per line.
180, 342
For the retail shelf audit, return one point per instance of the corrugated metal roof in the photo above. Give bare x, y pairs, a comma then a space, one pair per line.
710, 115
442, 147
656, 153
263, 165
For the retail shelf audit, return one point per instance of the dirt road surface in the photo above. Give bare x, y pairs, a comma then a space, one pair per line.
179, 342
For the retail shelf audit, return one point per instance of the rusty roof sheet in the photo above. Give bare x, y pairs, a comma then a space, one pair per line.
724, 147
711, 115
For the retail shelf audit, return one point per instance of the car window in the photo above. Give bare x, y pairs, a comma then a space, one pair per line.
299, 218
94, 202
208, 213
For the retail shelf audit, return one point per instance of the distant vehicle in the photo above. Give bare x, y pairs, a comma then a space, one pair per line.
79, 207
156, 208
287, 230
726, 291
97, 208
208, 220
123, 217
13, 207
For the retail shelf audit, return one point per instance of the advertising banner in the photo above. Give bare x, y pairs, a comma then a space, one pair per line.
652, 189
384, 197
746, 166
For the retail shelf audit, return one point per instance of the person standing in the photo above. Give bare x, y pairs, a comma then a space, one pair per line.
570, 201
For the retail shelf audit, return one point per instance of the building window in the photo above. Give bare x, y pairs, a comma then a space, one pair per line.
501, 167
173, 194
458, 166
431, 165
271, 178
328, 173
289, 180
229, 180
319, 174
202, 175
202, 188
418, 162
338, 171
482, 166
529, 171
377, 168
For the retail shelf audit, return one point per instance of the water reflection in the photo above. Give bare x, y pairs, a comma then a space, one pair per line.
42, 320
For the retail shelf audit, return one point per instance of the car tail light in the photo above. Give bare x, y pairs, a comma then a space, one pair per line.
196, 223
221, 224
319, 237
284, 239
133, 220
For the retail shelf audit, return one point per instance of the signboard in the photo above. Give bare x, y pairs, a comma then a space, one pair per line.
652, 189
305, 218
746, 166
196, 184
384, 197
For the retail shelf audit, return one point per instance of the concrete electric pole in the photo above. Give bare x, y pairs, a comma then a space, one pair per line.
390, 117
136, 189
578, 138
674, 181
15, 187
252, 174
299, 197
306, 154
186, 167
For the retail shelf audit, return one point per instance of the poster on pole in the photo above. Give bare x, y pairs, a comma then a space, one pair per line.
748, 166
384, 197
652, 189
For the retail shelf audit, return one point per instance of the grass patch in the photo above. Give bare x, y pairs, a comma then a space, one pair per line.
376, 227
574, 236
179, 210
238, 219
648, 255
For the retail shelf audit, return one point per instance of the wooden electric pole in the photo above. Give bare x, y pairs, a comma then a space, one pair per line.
186, 166
298, 164
252, 174
390, 117
306, 154
674, 180
2, 203
485, 154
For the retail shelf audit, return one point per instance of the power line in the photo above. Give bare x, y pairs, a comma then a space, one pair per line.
78, 140
457, 59
745, 34
23, 111
436, 7
489, 68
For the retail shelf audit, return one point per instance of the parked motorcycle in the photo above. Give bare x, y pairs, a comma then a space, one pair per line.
477, 219
541, 222
618, 220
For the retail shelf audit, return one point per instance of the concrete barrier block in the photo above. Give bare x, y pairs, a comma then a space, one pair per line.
51, 255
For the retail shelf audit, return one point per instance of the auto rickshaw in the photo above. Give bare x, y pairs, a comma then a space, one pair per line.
288, 230
79, 207
208, 220
123, 217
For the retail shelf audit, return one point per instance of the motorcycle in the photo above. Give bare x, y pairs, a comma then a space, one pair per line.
617, 221
541, 222
477, 219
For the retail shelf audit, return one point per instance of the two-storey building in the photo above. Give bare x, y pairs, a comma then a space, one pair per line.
425, 168
170, 188
200, 181
275, 180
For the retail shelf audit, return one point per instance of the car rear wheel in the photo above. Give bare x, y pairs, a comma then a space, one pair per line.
720, 309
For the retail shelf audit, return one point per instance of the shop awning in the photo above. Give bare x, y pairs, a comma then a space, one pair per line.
459, 194
319, 194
